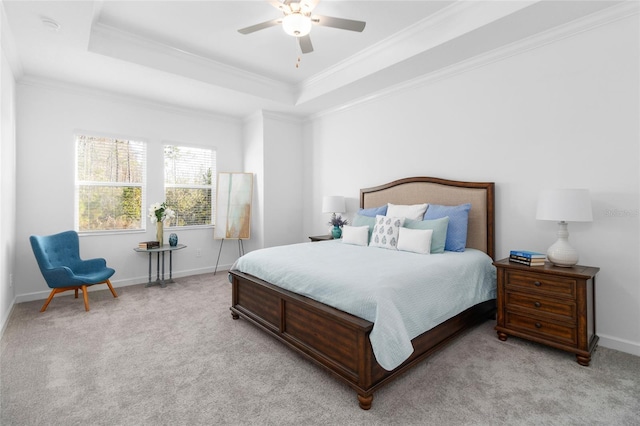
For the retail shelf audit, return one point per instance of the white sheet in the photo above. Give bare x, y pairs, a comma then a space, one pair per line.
404, 294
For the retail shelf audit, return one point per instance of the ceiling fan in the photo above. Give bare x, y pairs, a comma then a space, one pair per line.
297, 21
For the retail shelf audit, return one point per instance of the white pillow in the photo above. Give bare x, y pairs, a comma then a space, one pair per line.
385, 232
413, 211
415, 240
357, 235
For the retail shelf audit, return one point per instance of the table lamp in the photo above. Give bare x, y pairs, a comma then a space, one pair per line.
333, 204
564, 205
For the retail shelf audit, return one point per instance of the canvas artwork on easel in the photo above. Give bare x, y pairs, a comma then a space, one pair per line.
233, 207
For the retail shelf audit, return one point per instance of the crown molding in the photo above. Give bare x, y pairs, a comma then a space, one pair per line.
444, 25
388, 43
610, 15
282, 116
117, 43
273, 115
72, 88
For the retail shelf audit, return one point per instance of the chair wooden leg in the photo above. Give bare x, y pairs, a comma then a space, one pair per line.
85, 294
111, 288
44, 307
86, 298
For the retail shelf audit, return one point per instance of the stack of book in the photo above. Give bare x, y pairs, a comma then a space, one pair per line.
529, 258
148, 245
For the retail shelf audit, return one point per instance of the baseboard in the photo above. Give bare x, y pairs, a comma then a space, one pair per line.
5, 320
42, 295
618, 344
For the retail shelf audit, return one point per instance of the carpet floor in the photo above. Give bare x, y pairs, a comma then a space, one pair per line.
174, 356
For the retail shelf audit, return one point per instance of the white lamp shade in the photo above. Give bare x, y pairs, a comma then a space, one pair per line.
296, 24
564, 205
333, 204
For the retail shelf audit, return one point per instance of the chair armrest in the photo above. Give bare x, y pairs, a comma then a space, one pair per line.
62, 276
90, 265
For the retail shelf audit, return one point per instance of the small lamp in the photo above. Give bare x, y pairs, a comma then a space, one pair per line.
333, 204
564, 205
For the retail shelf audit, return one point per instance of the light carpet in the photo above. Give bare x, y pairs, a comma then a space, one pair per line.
174, 356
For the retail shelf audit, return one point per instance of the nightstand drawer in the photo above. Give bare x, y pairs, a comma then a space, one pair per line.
544, 283
548, 330
566, 310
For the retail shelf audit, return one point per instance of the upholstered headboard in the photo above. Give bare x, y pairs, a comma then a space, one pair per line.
417, 190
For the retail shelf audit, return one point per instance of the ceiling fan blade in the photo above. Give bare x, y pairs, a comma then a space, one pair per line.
260, 26
343, 24
305, 44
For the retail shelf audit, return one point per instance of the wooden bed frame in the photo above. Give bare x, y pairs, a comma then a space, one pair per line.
338, 341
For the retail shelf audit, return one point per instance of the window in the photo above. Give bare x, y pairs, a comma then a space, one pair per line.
110, 176
189, 183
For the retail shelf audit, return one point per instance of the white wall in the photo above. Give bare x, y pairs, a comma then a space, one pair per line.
7, 176
253, 139
562, 115
273, 152
48, 115
283, 180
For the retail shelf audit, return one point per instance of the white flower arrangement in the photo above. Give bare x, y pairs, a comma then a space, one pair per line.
159, 212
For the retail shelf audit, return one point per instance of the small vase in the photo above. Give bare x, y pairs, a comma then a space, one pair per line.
173, 240
336, 232
160, 232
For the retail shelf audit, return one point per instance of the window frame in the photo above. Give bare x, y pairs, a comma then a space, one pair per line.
78, 184
214, 178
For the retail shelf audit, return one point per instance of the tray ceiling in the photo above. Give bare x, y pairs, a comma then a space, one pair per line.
189, 53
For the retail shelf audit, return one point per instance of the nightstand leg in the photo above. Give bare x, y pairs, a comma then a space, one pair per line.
583, 360
502, 336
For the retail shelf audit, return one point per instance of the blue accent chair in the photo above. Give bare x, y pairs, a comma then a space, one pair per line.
59, 260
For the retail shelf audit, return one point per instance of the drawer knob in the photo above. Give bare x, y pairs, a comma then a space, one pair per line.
537, 304
538, 325
537, 283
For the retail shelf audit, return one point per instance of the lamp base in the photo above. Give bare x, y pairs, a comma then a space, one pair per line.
561, 253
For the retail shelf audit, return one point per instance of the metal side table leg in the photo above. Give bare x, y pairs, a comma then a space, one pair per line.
163, 284
149, 283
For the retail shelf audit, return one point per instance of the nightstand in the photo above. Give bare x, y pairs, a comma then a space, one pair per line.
550, 305
321, 238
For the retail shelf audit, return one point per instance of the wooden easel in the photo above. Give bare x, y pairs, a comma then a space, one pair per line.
234, 195
240, 252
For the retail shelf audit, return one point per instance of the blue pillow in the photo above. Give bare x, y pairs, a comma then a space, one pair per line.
360, 220
374, 211
439, 227
458, 222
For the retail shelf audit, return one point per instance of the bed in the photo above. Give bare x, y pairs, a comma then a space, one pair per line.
340, 342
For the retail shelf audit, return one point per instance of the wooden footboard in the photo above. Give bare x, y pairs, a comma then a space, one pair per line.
334, 339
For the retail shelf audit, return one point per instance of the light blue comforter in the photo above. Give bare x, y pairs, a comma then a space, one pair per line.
404, 294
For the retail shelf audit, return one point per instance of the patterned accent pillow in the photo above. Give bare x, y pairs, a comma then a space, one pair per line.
385, 232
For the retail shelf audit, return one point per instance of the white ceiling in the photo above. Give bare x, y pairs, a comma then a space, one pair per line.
190, 54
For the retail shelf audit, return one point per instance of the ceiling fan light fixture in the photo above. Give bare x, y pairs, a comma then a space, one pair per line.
296, 24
